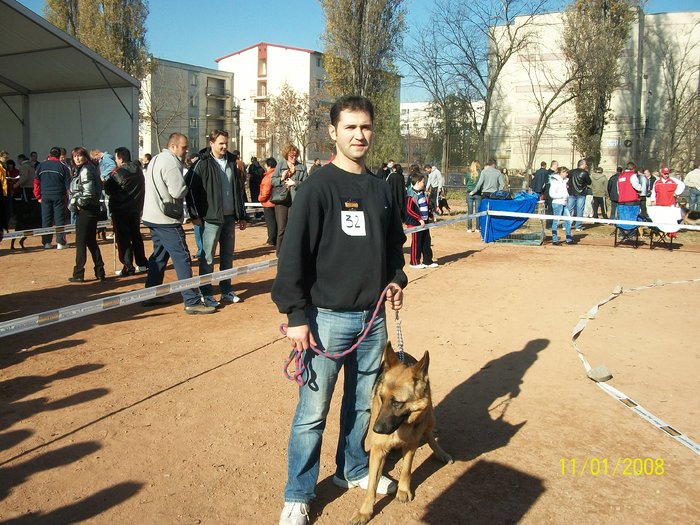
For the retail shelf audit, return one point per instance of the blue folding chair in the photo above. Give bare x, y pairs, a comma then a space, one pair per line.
627, 212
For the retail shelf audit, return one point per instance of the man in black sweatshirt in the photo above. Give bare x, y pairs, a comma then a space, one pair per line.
342, 247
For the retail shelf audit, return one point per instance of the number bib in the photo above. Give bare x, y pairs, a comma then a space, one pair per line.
352, 218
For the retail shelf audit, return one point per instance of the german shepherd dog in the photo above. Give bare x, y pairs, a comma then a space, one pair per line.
690, 217
402, 417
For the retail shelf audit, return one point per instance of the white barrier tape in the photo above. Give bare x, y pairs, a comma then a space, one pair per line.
253, 205
414, 229
52, 229
613, 392
543, 217
31, 322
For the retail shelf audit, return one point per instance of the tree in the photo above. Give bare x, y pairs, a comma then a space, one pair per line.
115, 29
424, 58
678, 96
595, 35
360, 43
550, 92
163, 103
479, 39
298, 118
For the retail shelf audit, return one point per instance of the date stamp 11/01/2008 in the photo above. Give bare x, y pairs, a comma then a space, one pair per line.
595, 466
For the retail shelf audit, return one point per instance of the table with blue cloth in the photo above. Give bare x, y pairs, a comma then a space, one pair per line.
494, 228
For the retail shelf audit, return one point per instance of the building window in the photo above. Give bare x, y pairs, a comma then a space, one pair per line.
193, 101
193, 122
319, 83
193, 80
318, 62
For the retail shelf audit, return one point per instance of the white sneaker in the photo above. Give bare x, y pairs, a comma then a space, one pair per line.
47, 246
118, 273
230, 297
109, 236
385, 485
208, 300
417, 266
294, 513
60, 246
141, 269
432, 265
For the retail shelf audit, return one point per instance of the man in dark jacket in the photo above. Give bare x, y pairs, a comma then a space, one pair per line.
540, 178
51, 184
215, 200
125, 188
613, 193
579, 181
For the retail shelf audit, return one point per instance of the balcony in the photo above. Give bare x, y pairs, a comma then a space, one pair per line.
218, 92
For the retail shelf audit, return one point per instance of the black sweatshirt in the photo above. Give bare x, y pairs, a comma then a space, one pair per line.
342, 246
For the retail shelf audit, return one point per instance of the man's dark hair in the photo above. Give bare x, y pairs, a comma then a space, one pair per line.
416, 177
21, 157
175, 137
33, 153
491, 162
351, 103
631, 166
123, 154
543, 164
271, 162
55, 152
216, 133
581, 163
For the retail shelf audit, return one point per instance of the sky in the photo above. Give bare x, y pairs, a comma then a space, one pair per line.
215, 28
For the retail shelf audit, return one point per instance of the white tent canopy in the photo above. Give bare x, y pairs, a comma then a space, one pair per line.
56, 91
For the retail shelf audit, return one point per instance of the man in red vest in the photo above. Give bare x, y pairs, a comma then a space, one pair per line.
666, 189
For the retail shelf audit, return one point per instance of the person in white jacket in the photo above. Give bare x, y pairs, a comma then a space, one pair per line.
559, 193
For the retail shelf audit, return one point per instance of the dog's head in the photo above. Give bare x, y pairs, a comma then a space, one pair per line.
403, 390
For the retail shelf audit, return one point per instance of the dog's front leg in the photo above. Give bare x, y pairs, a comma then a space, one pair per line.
404, 494
377, 458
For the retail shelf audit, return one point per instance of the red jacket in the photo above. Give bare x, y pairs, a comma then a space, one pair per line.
266, 189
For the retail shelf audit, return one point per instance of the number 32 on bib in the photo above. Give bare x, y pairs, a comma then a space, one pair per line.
353, 223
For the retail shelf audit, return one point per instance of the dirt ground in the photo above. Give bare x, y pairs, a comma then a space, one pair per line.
150, 416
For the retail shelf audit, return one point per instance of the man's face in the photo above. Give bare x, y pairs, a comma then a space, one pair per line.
179, 148
352, 134
96, 155
118, 161
219, 147
33, 156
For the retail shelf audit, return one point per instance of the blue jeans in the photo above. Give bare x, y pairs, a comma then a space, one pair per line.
334, 332
561, 209
694, 199
473, 203
169, 241
198, 238
53, 213
224, 235
576, 205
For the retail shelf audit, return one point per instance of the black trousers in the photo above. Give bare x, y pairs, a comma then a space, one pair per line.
420, 248
53, 213
86, 239
127, 229
271, 223
599, 204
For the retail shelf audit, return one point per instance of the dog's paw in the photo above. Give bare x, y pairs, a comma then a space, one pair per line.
404, 496
359, 518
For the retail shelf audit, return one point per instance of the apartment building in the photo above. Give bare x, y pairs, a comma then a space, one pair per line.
261, 70
187, 99
663, 50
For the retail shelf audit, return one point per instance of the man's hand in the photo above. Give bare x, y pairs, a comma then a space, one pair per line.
196, 221
394, 296
301, 337
421, 222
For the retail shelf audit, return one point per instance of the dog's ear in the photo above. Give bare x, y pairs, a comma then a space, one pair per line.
390, 357
420, 369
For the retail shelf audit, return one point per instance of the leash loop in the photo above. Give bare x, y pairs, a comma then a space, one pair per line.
297, 356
